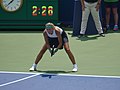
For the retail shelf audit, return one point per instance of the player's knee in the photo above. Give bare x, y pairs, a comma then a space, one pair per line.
43, 50
67, 50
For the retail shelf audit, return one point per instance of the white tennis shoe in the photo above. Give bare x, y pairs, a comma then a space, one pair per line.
33, 68
75, 68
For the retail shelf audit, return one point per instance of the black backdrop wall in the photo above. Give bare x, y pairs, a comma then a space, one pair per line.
66, 9
66, 12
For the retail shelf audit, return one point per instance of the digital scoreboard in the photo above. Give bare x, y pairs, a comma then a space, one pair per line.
27, 13
43, 10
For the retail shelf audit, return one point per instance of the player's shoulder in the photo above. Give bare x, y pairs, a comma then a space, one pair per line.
58, 28
44, 31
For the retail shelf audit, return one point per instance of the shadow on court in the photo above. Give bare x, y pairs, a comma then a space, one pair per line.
47, 76
54, 72
86, 38
111, 31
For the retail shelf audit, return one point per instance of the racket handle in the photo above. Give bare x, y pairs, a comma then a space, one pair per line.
52, 52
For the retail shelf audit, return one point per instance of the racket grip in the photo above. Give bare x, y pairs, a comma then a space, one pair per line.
52, 52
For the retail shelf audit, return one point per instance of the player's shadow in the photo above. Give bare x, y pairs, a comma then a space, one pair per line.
86, 38
50, 74
53, 72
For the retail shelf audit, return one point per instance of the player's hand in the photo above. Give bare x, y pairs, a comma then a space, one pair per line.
55, 50
50, 50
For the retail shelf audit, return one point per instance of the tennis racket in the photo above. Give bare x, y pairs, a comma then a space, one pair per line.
52, 52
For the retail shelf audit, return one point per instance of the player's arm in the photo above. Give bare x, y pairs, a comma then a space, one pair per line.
46, 39
59, 38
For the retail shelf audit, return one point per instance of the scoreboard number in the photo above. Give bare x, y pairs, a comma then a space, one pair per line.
43, 11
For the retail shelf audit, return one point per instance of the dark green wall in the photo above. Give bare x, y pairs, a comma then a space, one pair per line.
23, 19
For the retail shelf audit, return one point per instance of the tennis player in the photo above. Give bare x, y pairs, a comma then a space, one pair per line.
54, 35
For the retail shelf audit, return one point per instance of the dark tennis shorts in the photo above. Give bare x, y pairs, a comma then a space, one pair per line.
111, 4
55, 42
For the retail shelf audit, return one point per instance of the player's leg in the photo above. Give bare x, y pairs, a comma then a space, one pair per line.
38, 58
42, 51
68, 51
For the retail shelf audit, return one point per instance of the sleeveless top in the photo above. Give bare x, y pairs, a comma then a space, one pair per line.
54, 33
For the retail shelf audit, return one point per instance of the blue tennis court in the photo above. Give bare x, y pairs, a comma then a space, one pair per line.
41, 81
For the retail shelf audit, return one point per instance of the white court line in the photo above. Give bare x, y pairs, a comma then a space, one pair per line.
19, 80
61, 74
17, 72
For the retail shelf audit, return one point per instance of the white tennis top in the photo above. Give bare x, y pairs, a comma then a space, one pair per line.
54, 34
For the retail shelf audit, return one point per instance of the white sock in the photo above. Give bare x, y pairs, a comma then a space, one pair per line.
75, 65
34, 65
